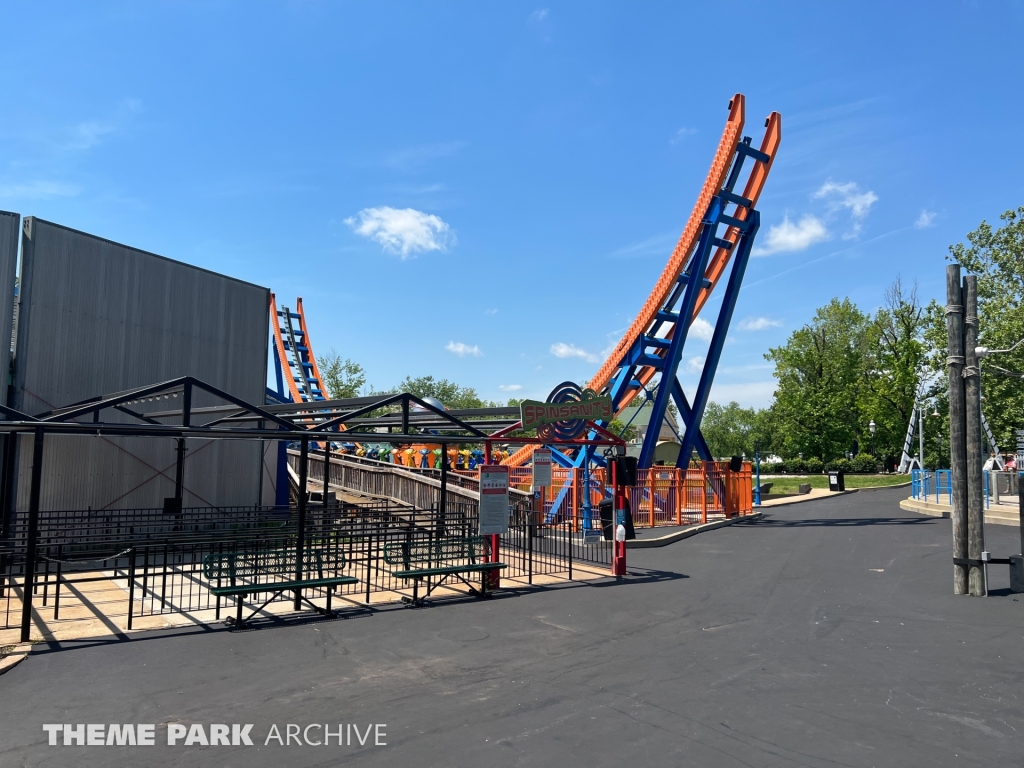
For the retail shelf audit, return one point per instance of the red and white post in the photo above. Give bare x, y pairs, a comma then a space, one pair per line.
493, 578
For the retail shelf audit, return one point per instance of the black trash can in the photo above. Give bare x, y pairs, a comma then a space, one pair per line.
608, 520
836, 480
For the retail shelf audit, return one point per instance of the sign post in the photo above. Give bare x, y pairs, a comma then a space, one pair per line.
493, 512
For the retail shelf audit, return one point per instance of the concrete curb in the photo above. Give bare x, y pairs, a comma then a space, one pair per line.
992, 517
806, 498
672, 538
15, 657
848, 490
884, 487
925, 508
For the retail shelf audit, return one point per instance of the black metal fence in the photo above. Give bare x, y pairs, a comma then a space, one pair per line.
157, 558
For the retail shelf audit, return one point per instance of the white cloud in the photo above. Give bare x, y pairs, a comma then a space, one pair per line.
490, 311
701, 329
39, 190
510, 387
695, 364
788, 236
563, 350
539, 22
848, 195
88, 133
460, 349
681, 134
758, 323
404, 231
926, 219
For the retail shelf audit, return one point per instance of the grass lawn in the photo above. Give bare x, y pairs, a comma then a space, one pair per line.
789, 483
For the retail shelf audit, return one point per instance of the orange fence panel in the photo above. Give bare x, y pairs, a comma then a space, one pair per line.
662, 495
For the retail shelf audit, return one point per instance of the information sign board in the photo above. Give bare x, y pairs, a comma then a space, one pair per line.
493, 499
542, 468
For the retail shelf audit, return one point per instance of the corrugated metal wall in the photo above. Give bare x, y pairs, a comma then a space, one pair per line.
9, 230
97, 317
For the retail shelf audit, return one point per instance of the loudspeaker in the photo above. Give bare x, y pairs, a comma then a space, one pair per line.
736, 463
625, 470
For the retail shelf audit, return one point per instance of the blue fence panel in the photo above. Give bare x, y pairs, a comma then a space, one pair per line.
938, 483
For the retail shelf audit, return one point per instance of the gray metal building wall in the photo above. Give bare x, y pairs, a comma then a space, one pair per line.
97, 317
9, 227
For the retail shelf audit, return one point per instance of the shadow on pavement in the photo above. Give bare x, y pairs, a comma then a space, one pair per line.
767, 522
640, 576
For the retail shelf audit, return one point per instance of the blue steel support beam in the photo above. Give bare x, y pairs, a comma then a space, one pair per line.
697, 265
577, 462
707, 377
686, 415
620, 385
586, 456
558, 457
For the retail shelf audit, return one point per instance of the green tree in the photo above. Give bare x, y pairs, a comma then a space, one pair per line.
820, 372
454, 397
766, 433
342, 378
728, 429
893, 368
997, 257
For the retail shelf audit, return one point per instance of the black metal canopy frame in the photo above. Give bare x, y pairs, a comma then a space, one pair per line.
406, 419
415, 419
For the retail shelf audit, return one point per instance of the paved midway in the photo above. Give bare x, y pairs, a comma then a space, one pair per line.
823, 635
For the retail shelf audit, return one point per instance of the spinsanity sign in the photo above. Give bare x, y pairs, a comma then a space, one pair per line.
566, 403
215, 735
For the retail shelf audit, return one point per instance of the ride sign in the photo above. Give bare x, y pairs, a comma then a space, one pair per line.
597, 407
565, 414
493, 499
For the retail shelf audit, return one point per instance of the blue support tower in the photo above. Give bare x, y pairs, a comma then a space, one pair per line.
661, 347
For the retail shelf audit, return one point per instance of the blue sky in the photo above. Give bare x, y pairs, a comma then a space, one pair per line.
487, 191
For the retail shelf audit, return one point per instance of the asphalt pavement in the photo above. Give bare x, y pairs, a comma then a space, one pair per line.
825, 634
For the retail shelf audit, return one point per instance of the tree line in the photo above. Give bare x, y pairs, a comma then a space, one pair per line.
847, 368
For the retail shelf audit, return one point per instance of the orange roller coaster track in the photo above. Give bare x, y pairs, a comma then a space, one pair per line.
293, 352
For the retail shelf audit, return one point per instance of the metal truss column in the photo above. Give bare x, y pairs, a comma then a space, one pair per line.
670, 363
686, 416
732, 292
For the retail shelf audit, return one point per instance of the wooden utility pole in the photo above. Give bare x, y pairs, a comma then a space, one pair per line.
972, 407
957, 437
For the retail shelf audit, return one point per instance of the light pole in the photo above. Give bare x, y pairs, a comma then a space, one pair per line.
871, 429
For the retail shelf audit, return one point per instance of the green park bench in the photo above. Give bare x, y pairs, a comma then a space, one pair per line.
423, 559
239, 574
